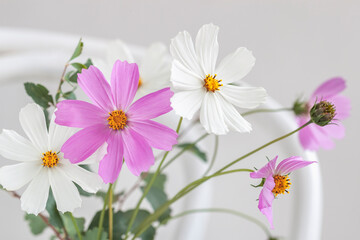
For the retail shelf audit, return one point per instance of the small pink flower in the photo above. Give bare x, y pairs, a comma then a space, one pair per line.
313, 136
277, 181
112, 119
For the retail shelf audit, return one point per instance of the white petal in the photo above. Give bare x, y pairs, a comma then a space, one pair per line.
182, 49
65, 193
32, 120
184, 79
88, 181
212, 116
186, 103
118, 50
207, 47
58, 135
244, 97
235, 66
96, 156
15, 147
232, 117
33, 200
14, 177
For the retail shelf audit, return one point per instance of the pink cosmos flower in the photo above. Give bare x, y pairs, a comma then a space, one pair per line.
112, 119
313, 136
277, 181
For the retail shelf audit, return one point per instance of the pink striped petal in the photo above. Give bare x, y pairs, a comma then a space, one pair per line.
85, 142
151, 105
94, 84
157, 135
266, 170
124, 83
321, 137
291, 164
342, 105
306, 137
329, 89
336, 130
80, 114
137, 152
266, 198
111, 164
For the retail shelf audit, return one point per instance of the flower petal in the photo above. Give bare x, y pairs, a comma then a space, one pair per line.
85, 142
342, 105
266, 170
137, 152
235, 66
183, 79
244, 97
58, 135
79, 114
336, 130
306, 137
207, 48
291, 164
95, 86
182, 50
157, 135
124, 83
32, 121
118, 50
329, 89
321, 136
111, 164
96, 157
212, 115
15, 147
14, 177
33, 200
266, 198
88, 181
66, 195
151, 105
186, 103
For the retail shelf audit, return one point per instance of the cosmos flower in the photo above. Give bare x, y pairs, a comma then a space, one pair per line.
154, 65
314, 136
126, 128
277, 181
43, 164
201, 85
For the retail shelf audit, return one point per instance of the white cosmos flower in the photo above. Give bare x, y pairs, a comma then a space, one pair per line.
154, 66
200, 84
42, 164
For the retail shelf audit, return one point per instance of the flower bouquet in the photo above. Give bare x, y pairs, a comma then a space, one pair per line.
118, 127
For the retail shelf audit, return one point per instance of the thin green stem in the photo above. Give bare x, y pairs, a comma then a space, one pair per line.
264, 110
102, 215
224, 210
75, 225
148, 187
216, 147
110, 212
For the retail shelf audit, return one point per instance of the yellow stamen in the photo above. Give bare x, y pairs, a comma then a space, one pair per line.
211, 83
50, 159
117, 120
282, 183
140, 82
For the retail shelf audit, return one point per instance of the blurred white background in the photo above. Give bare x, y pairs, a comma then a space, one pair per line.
298, 45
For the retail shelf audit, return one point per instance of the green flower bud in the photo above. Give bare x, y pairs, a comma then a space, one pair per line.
300, 108
322, 113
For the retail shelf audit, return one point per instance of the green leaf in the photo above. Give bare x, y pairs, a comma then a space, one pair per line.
47, 117
39, 94
93, 233
69, 225
78, 50
194, 149
79, 66
1, 187
88, 63
36, 224
55, 217
69, 95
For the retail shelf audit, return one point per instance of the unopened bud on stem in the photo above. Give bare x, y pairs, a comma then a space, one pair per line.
322, 113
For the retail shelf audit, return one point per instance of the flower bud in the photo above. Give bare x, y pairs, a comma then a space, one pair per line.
300, 108
322, 113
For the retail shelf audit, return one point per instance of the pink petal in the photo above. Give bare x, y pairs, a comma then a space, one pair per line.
291, 164
342, 105
94, 84
80, 114
266, 170
85, 142
151, 105
329, 89
306, 137
137, 152
336, 130
124, 83
111, 164
321, 137
157, 135
266, 198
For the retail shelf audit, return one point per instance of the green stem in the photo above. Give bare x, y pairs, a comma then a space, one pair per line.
264, 110
102, 215
76, 226
147, 222
110, 212
216, 147
148, 187
224, 210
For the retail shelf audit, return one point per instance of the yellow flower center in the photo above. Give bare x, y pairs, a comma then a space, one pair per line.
117, 120
211, 83
140, 82
282, 183
50, 159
